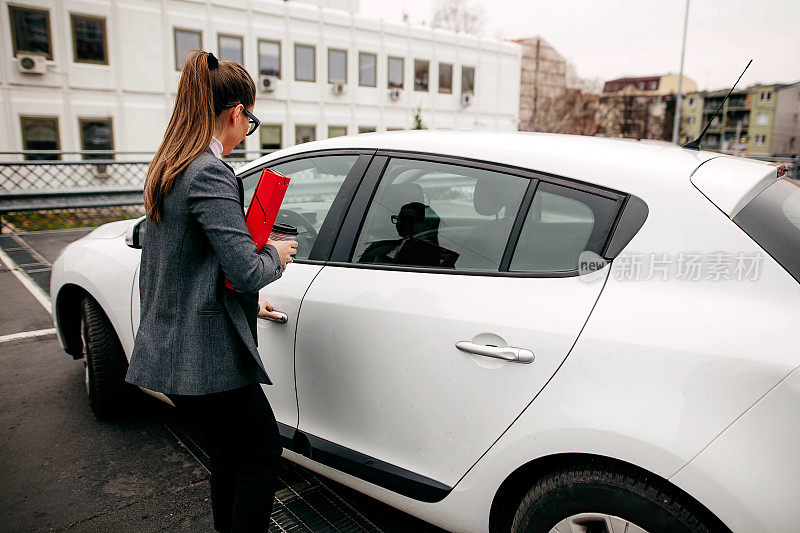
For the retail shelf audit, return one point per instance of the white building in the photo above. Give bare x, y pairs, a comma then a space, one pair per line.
100, 74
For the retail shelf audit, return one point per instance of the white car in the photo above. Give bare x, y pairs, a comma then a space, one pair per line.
513, 331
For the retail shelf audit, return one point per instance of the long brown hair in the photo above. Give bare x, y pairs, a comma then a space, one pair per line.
207, 86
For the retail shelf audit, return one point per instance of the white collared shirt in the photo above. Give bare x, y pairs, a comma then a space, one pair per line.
216, 146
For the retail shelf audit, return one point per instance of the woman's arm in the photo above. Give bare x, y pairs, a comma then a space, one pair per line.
213, 199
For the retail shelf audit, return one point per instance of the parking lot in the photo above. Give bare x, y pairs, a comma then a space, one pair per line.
61, 469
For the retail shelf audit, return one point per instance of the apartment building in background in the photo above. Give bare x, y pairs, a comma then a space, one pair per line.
761, 120
82, 75
641, 107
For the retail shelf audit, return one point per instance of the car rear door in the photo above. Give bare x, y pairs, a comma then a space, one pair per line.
451, 298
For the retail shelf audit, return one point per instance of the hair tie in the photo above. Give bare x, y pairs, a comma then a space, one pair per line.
213, 62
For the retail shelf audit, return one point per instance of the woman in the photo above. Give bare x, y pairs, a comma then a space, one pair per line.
197, 340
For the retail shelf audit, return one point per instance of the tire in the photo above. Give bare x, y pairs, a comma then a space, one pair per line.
595, 497
104, 362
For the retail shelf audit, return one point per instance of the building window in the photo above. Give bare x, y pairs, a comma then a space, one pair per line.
305, 133
367, 64
305, 63
760, 140
366, 129
791, 142
394, 129
96, 134
337, 66
445, 78
691, 102
421, 71
395, 70
337, 131
30, 30
185, 42
762, 118
269, 58
795, 118
40, 133
89, 39
230, 48
766, 96
467, 80
271, 136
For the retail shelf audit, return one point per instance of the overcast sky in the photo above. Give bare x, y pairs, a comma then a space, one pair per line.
608, 39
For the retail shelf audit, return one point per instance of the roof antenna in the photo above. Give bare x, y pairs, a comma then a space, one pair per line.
695, 144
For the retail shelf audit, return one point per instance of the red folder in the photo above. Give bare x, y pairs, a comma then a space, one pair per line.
264, 207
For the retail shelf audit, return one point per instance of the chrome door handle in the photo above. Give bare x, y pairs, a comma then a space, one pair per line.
508, 353
282, 318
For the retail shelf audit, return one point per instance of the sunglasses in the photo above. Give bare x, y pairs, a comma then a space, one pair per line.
254, 122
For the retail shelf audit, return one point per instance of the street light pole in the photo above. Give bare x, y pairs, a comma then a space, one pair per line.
677, 123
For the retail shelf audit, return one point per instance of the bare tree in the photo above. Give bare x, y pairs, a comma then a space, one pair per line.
567, 109
460, 16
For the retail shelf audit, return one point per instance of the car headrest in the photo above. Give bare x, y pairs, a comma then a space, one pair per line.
399, 194
490, 196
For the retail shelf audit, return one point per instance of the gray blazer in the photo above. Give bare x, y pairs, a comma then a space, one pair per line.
196, 336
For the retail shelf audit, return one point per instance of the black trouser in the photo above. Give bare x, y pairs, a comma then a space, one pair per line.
245, 450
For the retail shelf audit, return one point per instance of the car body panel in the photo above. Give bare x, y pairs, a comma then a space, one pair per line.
105, 268
762, 445
378, 371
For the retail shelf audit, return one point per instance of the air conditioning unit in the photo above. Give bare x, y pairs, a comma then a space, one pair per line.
31, 63
395, 94
466, 99
337, 88
268, 83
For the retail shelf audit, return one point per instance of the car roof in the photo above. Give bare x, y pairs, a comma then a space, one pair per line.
624, 164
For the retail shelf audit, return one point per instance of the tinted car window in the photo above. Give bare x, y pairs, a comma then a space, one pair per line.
560, 225
772, 219
441, 215
315, 183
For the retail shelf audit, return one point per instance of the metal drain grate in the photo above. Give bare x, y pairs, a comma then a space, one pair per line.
303, 503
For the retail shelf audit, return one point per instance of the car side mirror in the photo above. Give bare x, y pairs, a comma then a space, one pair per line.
134, 233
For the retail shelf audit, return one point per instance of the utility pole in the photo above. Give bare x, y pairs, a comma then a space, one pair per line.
676, 125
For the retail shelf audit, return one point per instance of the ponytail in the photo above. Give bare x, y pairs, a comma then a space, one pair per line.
205, 88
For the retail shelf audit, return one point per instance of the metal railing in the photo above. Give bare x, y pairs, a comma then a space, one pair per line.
37, 187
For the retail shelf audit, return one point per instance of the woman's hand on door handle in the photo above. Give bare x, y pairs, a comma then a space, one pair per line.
265, 310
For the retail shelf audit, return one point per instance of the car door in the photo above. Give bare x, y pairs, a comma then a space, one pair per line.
321, 188
451, 298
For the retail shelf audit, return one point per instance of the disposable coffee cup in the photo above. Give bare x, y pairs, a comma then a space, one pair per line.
283, 232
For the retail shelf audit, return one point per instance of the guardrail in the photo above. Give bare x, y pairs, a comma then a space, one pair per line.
51, 181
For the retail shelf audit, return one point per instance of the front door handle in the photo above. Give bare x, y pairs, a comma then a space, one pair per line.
506, 353
282, 318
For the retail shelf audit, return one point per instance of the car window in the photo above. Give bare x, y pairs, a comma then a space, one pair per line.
315, 181
772, 219
442, 215
560, 225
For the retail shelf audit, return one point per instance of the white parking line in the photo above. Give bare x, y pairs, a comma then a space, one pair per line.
27, 334
23, 278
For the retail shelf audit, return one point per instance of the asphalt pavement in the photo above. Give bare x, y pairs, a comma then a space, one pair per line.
62, 469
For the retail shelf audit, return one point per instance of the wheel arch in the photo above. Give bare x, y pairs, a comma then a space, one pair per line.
513, 489
67, 309
68, 312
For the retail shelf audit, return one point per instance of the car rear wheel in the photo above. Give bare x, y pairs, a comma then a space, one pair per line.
104, 362
593, 498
